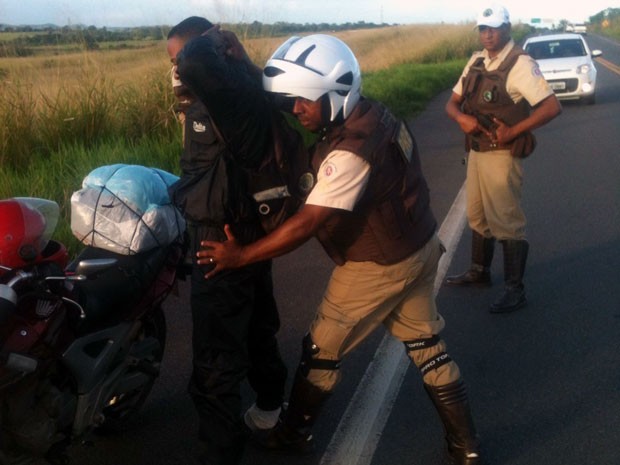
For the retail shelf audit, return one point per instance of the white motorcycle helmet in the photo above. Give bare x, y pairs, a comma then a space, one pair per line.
313, 66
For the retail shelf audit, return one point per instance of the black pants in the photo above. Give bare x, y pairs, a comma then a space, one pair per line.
235, 321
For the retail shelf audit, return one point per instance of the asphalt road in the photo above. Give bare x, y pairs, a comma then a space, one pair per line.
544, 382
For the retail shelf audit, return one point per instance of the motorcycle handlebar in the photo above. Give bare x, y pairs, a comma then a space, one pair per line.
8, 297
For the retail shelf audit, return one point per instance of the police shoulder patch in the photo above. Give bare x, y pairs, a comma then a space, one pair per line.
405, 141
329, 169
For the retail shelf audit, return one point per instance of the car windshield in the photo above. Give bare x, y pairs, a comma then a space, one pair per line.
556, 49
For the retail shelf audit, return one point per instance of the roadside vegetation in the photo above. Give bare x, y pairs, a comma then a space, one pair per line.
606, 23
66, 111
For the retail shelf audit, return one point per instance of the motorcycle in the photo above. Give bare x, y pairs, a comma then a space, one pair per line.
81, 342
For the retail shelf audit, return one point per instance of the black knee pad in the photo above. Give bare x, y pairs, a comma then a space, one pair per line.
309, 350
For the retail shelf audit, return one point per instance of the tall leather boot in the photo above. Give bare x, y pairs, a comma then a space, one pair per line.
515, 257
293, 433
453, 408
479, 274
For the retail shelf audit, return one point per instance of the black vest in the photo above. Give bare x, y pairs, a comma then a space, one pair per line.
215, 189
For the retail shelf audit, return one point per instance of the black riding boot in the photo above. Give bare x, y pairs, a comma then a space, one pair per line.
293, 433
453, 408
479, 274
515, 257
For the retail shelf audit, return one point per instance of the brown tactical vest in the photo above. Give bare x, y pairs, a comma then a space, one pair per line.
485, 95
393, 217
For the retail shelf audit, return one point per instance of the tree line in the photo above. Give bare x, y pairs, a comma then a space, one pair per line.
91, 37
28, 38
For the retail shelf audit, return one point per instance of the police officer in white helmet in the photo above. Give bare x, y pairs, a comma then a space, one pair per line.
370, 211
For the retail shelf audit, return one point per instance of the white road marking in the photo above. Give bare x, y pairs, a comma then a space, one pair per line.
359, 430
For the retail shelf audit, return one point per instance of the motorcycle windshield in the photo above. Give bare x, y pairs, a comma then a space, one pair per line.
50, 211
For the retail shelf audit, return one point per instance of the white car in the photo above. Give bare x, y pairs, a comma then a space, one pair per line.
580, 28
565, 61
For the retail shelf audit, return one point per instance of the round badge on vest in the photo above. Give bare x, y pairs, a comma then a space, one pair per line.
306, 183
264, 209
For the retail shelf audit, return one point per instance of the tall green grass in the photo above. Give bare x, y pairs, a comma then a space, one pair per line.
406, 89
36, 125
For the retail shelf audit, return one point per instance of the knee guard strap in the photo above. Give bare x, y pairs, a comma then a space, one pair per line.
437, 361
308, 351
424, 343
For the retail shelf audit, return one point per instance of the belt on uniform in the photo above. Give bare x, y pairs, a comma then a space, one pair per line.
487, 145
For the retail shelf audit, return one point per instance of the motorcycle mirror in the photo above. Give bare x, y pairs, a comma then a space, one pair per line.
23, 363
93, 266
8, 302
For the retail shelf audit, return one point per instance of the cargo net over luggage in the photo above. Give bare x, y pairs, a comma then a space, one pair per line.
126, 209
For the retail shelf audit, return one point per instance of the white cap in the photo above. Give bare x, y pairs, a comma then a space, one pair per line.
493, 16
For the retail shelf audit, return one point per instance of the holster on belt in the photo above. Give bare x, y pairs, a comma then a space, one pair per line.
521, 147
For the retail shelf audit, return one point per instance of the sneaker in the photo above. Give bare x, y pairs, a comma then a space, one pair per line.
257, 419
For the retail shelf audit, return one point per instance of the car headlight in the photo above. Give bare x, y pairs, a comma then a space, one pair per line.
583, 69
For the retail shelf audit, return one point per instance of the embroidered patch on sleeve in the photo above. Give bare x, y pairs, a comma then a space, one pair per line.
329, 169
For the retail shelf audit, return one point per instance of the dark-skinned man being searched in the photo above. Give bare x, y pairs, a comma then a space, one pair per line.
232, 134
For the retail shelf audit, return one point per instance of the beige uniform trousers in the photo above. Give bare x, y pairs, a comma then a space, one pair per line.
493, 191
361, 296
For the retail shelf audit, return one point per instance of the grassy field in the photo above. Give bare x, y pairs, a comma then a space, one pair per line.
65, 114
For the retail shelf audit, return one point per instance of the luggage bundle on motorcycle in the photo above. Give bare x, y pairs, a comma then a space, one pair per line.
124, 212
126, 209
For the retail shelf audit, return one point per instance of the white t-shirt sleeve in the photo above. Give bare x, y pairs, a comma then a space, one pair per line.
341, 181
526, 80
458, 87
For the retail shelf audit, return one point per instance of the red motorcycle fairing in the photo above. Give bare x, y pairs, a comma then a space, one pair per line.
26, 227
22, 229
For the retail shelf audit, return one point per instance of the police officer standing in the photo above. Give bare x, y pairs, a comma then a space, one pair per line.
500, 98
370, 211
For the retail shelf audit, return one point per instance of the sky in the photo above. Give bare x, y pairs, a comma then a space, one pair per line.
130, 13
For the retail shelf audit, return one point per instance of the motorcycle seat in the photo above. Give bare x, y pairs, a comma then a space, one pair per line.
117, 290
